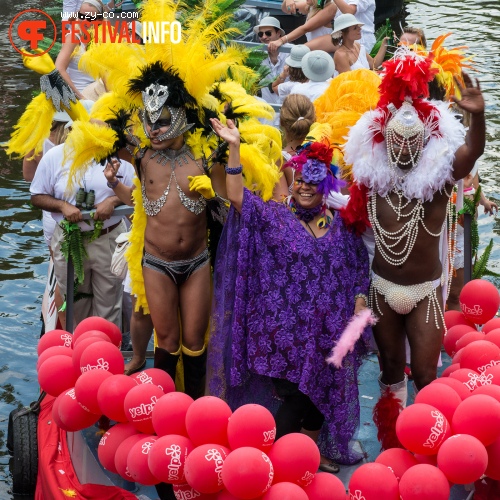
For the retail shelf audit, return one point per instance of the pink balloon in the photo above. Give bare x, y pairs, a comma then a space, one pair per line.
251, 425
55, 411
453, 318
57, 375
457, 356
86, 388
122, 452
56, 350
450, 369
109, 443
101, 324
493, 469
479, 301
247, 473
455, 384
137, 461
53, 338
398, 460
426, 459
73, 417
139, 403
462, 459
203, 467
111, 396
168, 457
480, 355
454, 334
169, 414
442, 397
78, 351
424, 481
373, 482
295, 458
92, 334
422, 428
491, 376
490, 325
468, 338
206, 421
157, 377
325, 487
285, 491
493, 336
184, 491
489, 390
478, 416
102, 356
469, 378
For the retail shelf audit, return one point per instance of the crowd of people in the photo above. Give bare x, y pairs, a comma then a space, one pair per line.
259, 318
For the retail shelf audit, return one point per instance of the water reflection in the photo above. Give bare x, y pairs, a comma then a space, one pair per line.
22, 249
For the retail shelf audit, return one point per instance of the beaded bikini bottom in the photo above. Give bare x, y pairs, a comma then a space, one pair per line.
403, 298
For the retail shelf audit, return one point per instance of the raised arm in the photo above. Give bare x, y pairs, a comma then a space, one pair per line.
62, 63
123, 192
472, 101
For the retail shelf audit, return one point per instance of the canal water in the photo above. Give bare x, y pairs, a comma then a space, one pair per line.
23, 254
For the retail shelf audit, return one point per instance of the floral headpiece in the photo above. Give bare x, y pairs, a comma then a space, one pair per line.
314, 161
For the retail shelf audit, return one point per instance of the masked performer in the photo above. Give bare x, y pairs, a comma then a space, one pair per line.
406, 155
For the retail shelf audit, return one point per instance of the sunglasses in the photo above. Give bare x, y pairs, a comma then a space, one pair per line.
260, 34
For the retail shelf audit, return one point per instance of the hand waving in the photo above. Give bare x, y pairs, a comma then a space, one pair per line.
228, 133
472, 98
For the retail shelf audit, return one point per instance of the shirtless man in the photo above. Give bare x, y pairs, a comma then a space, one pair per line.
409, 169
176, 262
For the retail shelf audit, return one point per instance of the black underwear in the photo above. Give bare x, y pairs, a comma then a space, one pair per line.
178, 271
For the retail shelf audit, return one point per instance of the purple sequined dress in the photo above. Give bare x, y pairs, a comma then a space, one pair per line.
281, 300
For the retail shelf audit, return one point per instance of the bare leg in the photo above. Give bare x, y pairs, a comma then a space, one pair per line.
457, 284
425, 342
141, 328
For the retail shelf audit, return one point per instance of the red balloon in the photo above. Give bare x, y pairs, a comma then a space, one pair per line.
489, 390
285, 491
453, 318
478, 416
206, 421
424, 481
91, 334
457, 356
78, 351
422, 428
442, 397
168, 457
480, 355
455, 384
479, 301
55, 350
493, 469
55, 410
57, 375
223, 495
73, 417
53, 338
109, 443
325, 487
169, 414
450, 369
137, 461
373, 482
426, 459
111, 396
491, 325
247, 473
469, 378
139, 403
157, 377
468, 338
462, 458
101, 324
86, 388
398, 460
251, 425
102, 356
122, 452
203, 467
295, 458
491, 376
493, 336
454, 334
184, 491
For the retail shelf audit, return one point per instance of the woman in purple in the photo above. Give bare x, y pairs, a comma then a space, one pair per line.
288, 278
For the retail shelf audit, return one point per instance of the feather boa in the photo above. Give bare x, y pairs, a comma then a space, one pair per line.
350, 336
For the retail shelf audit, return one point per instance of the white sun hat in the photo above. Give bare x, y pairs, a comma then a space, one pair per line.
297, 53
342, 22
318, 66
269, 21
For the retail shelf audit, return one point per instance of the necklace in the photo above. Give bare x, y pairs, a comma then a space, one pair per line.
353, 52
176, 158
310, 229
305, 214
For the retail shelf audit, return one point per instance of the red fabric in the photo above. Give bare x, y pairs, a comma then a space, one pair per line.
385, 414
57, 480
355, 214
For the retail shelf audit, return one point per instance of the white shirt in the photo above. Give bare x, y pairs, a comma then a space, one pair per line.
365, 13
313, 90
275, 70
322, 30
51, 178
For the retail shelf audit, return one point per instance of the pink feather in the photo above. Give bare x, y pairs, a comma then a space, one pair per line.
351, 335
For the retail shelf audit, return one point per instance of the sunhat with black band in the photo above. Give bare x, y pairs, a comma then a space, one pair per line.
342, 22
269, 21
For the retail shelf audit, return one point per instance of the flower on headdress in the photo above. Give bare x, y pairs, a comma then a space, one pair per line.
314, 171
